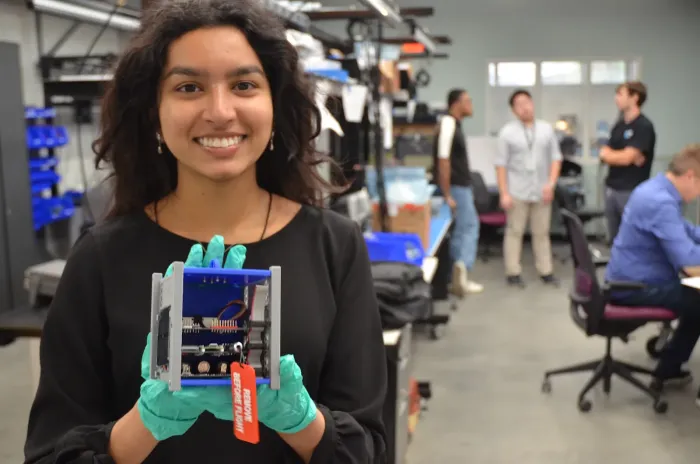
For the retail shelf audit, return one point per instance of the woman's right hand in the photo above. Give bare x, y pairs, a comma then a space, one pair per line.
164, 413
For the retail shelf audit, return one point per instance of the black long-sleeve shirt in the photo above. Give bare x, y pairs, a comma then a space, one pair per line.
96, 330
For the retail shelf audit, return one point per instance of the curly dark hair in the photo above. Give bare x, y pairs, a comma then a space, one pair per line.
129, 116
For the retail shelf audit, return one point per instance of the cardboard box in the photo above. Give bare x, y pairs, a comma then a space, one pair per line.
406, 218
390, 81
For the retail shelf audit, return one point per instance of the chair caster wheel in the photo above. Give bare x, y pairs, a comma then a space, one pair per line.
546, 386
660, 407
651, 348
436, 332
584, 405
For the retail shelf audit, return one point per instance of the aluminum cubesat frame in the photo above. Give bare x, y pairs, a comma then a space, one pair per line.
167, 295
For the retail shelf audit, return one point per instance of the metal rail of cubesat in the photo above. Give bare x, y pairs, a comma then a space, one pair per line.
205, 319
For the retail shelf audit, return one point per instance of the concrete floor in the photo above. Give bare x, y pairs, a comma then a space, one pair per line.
486, 373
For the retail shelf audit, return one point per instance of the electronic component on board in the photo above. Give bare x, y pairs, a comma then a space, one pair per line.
223, 368
203, 367
205, 320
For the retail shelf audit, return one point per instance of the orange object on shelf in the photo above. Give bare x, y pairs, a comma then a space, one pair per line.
412, 48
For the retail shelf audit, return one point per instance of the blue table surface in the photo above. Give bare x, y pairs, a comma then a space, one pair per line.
438, 225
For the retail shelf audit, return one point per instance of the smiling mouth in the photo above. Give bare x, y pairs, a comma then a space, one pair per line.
220, 142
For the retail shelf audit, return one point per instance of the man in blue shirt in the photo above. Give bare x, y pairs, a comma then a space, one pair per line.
653, 245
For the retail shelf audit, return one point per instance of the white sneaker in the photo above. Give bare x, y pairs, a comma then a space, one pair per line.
474, 287
469, 285
459, 283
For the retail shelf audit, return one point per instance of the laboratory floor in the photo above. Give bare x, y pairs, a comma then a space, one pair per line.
486, 374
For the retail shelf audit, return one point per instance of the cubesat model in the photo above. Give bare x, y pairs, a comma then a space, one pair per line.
205, 319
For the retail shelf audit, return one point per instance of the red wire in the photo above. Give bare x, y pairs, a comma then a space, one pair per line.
232, 303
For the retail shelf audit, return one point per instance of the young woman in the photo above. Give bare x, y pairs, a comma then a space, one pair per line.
208, 128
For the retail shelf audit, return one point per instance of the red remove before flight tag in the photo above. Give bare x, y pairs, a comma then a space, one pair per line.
245, 403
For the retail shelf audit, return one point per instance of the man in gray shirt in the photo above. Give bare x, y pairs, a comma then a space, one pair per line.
527, 166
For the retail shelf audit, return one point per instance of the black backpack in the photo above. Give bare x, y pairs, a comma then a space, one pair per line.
402, 293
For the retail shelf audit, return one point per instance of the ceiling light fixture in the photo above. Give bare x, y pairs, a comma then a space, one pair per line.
388, 13
81, 13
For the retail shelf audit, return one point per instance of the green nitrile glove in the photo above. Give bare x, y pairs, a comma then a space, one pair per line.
167, 413
289, 409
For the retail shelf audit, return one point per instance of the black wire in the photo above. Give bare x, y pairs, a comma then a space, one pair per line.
101, 32
83, 173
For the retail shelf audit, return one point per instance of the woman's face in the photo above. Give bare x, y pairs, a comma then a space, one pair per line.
215, 104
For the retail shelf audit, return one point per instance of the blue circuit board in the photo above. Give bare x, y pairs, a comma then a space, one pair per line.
216, 293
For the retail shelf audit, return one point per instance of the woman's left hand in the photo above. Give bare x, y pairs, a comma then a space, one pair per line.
289, 409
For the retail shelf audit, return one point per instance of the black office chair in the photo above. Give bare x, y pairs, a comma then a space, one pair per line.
592, 312
565, 200
491, 218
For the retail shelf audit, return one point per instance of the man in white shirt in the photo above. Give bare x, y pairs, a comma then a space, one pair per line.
452, 175
527, 166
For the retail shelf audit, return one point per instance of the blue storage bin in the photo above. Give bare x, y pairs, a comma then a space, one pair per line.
49, 210
49, 134
61, 134
47, 112
35, 138
340, 75
40, 187
393, 246
31, 113
46, 137
43, 177
75, 196
40, 164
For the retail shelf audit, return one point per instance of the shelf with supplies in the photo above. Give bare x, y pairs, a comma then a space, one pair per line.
43, 137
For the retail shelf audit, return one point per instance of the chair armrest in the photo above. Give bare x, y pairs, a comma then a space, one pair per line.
599, 259
614, 285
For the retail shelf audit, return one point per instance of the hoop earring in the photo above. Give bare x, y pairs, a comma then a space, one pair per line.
160, 143
272, 141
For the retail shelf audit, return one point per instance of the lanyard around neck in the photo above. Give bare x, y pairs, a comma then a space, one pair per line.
530, 136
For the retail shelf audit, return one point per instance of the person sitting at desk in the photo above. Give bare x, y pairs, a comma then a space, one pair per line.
653, 245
